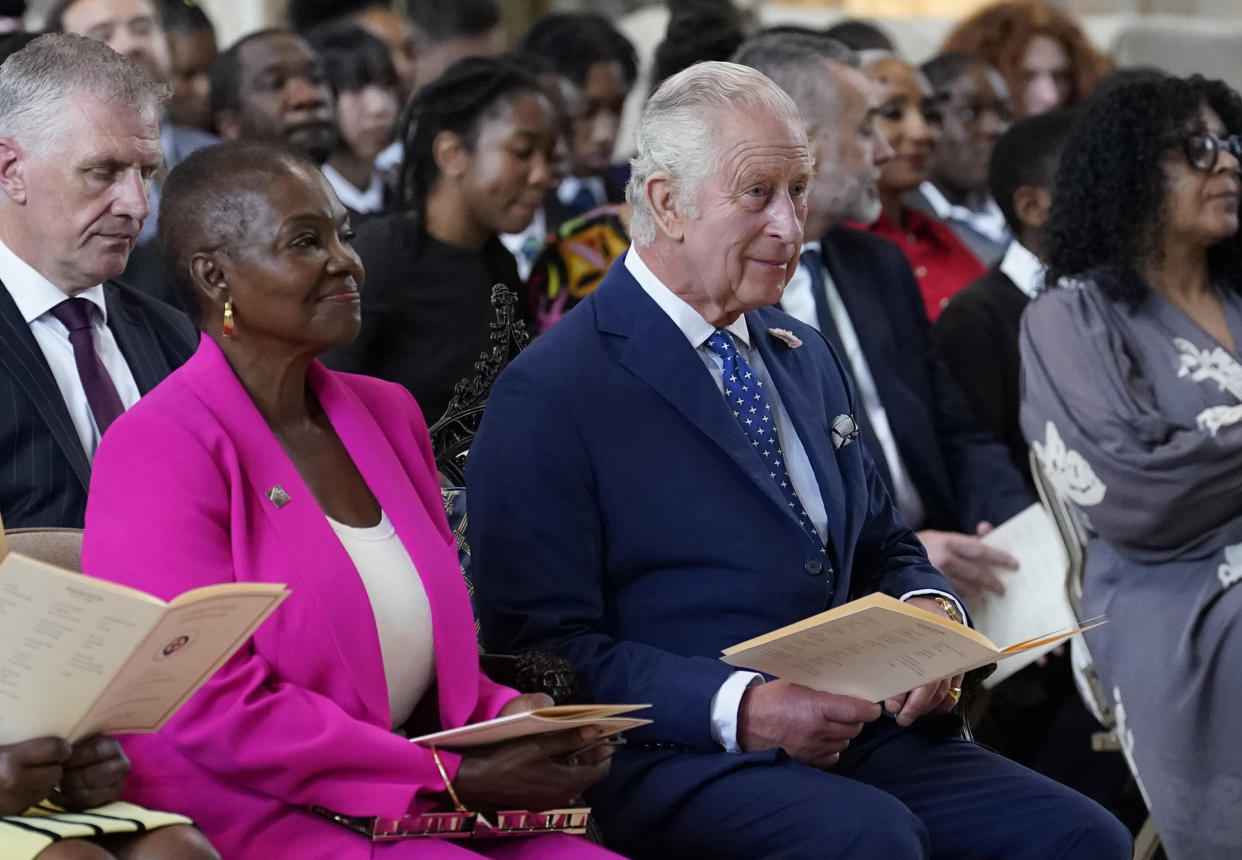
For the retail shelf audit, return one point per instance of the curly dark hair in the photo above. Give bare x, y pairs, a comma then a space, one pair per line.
1108, 200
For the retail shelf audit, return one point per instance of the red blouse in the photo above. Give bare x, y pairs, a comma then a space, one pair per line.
941, 263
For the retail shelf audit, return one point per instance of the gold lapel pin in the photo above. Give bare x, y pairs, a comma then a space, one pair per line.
278, 497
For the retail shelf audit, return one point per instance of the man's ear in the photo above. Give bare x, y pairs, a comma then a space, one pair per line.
450, 154
665, 204
12, 170
1031, 205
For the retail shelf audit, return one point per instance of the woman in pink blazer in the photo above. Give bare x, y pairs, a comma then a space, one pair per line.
255, 463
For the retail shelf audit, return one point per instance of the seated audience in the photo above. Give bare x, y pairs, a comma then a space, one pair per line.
909, 118
269, 85
364, 82
1042, 53
974, 111
621, 514
76, 348
480, 145
191, 51
949, 481
451, 30
590, 53
287, 472
58, 801
976, 336
1132, 402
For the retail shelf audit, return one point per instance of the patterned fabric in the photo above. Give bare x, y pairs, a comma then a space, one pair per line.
571, 265
25, 836
754, 415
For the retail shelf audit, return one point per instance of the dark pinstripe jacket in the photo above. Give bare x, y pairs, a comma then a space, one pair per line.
44, 472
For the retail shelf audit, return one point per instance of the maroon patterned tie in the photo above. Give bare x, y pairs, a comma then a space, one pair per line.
101, 394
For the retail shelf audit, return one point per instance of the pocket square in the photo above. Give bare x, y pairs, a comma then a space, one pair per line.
843, 431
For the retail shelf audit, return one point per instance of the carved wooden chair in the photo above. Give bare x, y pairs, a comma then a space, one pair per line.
451, 437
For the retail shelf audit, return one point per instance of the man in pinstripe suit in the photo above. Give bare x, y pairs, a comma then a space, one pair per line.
79, 145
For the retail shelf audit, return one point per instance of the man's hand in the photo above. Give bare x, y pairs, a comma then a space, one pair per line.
94, 774
929, 698
811, 727
969, 564
28, 771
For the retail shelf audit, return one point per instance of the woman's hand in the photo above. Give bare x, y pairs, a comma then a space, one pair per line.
94, 774
28, 772
525, 703
534, 774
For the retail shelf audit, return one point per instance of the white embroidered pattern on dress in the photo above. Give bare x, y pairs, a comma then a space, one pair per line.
1211, 365
1067, 470
1230, 572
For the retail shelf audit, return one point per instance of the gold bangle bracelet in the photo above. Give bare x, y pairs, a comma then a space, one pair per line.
457, 804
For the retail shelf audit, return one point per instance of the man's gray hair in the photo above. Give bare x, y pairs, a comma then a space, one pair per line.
795, 61
36, 81
677, 132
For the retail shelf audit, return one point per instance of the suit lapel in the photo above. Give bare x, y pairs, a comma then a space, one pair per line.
658, 353
809, 418
21, 356
422, 533
136, 340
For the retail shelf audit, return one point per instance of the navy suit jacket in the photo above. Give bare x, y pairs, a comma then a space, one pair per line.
619, 516
44, 471
962, 473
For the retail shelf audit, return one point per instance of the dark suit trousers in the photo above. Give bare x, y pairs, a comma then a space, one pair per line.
896, 794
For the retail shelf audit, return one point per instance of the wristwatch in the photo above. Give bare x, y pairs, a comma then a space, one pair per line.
949, 607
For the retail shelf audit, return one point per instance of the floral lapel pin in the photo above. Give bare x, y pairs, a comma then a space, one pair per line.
786, 337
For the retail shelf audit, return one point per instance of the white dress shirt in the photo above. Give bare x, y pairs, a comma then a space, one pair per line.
401, 608
35, 296
1023, 268
799, 302
366, 202
988, 222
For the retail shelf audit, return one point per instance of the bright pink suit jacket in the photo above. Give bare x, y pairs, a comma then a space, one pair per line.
299, 716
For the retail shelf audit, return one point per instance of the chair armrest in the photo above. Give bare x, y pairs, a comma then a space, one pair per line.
533, 672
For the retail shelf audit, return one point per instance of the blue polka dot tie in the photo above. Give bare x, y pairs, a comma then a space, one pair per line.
750, 407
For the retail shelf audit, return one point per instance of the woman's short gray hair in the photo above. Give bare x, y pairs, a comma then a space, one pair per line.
35, 81
677, 132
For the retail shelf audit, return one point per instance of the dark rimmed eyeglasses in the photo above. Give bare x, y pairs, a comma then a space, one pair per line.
1203, 150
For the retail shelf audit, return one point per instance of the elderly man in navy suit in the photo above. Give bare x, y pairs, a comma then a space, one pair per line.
79, 146
674, 468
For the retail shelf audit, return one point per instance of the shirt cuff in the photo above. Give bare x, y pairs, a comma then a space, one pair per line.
725, 705
931, 592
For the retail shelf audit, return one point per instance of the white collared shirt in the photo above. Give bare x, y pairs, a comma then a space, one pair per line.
365, 202
1023, 268
989, 222
525, 246
799, 302
35, 296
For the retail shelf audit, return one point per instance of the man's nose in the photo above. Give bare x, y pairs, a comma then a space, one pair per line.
788, 216
131, 197
302, 92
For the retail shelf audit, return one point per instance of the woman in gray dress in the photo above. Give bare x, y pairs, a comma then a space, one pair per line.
1132, 401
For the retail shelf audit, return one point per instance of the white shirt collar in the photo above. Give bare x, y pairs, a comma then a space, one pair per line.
34, 294
368, 201
696, 329
1023, 268
990, 221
